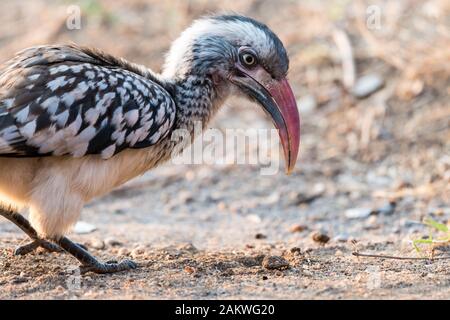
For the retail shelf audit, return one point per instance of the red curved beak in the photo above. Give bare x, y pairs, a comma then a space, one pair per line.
278, 100
289, 129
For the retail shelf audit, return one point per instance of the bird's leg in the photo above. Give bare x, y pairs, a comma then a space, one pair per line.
89, 262
26, 227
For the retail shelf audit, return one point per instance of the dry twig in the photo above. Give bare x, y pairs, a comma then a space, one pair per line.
344, 47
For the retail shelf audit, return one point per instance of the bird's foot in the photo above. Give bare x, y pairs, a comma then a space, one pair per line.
109, 267
26, 227
33, 245
89, 263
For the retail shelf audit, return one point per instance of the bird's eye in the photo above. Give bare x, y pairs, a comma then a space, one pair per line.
248, 59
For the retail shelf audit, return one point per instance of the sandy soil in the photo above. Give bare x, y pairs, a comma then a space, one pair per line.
370, 171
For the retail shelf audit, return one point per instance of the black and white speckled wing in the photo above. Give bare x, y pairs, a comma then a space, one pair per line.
66, 100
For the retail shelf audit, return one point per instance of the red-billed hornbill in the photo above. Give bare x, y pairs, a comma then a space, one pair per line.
76, 122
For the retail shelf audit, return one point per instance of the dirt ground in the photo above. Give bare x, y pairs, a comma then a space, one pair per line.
375, 161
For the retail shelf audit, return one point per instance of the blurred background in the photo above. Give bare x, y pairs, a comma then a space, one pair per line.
372, 79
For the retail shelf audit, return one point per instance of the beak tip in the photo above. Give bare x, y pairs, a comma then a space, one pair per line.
289, 168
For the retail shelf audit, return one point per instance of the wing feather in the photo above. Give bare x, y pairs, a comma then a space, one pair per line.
65, 100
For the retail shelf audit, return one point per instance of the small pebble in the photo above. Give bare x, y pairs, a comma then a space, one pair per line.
295, 250
189, 247
275, 263
371, 223
137, 251
221, 206
320, 237
19, 279
112, 242
367, 85
123, 252
298, 228
97, 244
189, 269
386, 209
185, 197
254, 218
119, 211
260, 236
82, 227
358, 213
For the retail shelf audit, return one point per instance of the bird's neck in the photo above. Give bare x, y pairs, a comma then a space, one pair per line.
197, 98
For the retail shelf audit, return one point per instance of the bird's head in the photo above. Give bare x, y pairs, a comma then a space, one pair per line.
243, 57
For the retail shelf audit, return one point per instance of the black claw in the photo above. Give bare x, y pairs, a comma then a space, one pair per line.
29, 247
25, 249
132, 264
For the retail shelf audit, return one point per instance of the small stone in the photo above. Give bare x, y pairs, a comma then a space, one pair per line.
97, 244
298, 228
221, 206
260, 236
265, 278
403, 184
358, 213
254, 218
295, 250
227, 272
275, 263
112, 242
307, 197
189, 269
119, 211
138, 251
386, 209
19, 279
320, 237
123, 252
251, 261
189, 247
367, 85
272, 199
82, 227
185, 197
372, 221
